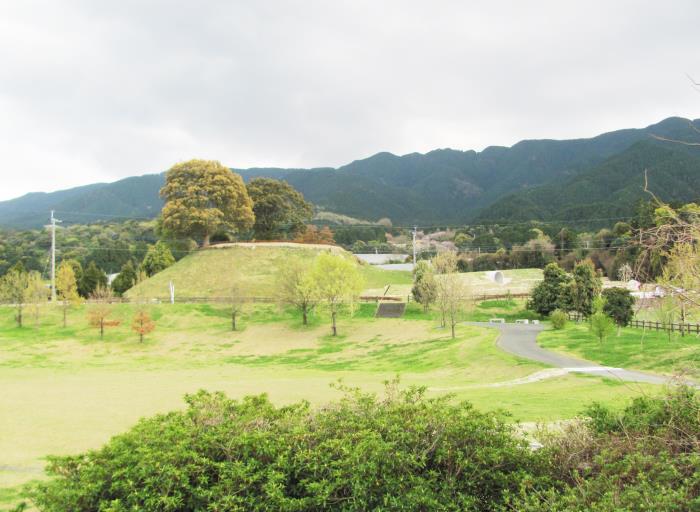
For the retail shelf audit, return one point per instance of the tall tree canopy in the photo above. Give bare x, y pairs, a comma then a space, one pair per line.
203, 197
547, 295
280, 210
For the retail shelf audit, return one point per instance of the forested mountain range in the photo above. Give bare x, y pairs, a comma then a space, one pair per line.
534, 179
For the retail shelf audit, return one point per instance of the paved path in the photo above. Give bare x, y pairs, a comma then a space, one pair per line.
521, 340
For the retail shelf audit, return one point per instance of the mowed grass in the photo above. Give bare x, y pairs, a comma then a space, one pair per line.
478, 311
479, 283
254, 267
515, 281
632, 349
66, 391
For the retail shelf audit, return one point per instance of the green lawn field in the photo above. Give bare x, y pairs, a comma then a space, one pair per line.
632, 349
66, 391
518, 281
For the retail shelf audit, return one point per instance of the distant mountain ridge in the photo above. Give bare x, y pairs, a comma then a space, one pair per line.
443, 186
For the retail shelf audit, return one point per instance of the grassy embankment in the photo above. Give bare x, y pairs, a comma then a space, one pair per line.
254, 267
210, 273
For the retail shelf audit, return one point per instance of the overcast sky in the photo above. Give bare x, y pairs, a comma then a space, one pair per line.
98, 90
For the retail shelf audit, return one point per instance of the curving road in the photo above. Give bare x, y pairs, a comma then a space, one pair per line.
521, 340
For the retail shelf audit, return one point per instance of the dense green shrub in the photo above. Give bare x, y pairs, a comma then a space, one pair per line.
403, 452
646, 457
558, 318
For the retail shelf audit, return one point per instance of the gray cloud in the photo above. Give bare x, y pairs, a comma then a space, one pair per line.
97, 90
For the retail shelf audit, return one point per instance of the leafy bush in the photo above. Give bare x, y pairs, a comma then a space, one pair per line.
403, 452
643, 458
558, 318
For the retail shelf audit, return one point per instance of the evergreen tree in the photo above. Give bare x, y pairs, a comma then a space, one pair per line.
126, 279
619, 304
547, 295
583, 290
92, 277
424, 289
280, 210
157, 258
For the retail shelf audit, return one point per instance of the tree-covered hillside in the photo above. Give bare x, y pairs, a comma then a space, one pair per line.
611, 189
442, 186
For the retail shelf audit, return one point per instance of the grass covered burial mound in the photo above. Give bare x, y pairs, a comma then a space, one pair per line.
253, 267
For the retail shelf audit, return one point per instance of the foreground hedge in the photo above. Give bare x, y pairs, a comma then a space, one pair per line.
644, 458
403, 452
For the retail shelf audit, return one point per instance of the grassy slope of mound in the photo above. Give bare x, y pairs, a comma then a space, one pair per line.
211, 272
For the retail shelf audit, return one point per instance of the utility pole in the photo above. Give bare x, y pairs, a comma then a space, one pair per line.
54, 220
415, 232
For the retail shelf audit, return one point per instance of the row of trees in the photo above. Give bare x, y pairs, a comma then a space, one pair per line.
581, 292
108, 245
203, 198
27, 289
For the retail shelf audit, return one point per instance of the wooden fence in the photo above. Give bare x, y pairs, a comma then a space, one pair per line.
269, 300
683, 328
659, 326
485, 296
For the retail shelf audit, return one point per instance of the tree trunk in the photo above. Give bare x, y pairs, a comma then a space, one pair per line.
19, 315
102, 329
205, 242
335, 330
233, 320
452, 324
141, 337
65, 310
304, 314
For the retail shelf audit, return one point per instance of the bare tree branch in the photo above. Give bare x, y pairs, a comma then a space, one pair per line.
696, 85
